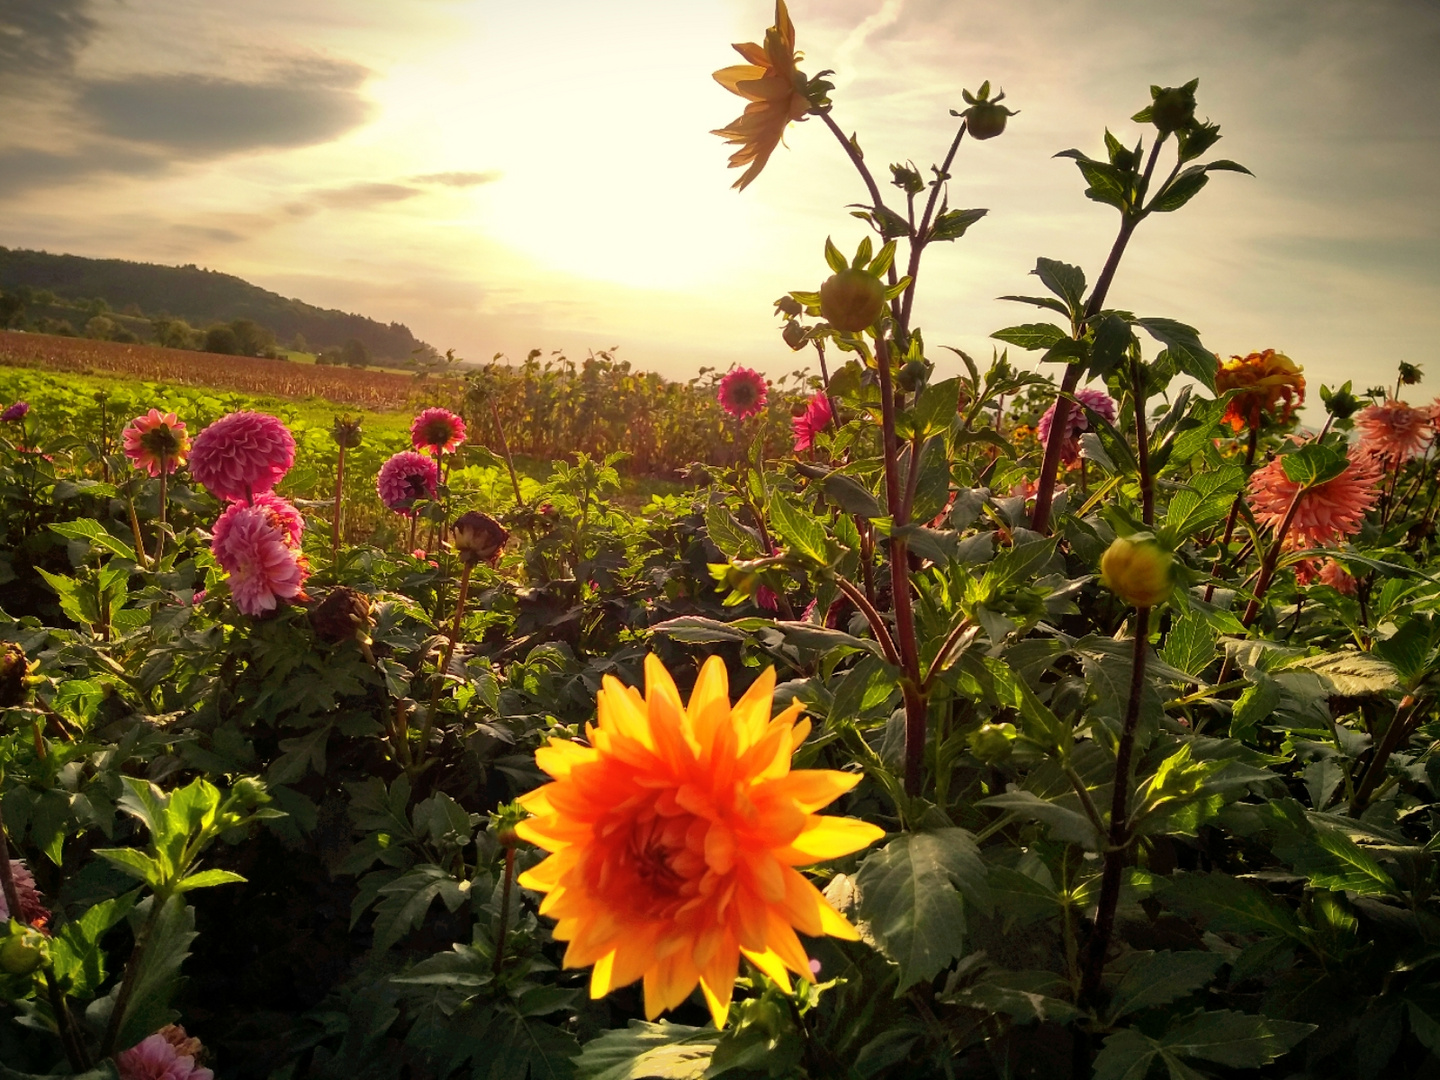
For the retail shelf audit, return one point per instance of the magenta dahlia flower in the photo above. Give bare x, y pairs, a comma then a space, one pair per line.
1097, 401
32, 911
817, 414
405, 478
154, 438
242, 455
437, 431
166, 1055
282, 513
13, 414
252, 544
742, 393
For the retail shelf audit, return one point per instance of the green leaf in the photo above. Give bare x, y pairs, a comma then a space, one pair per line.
834, 259
1331, 860
727, 533
405, 901
1113, 338
1065, 824
1190, 645
1048, 302
699, 630
1064, 280
1313, 464
1239, 1040
802, 533
1255, 704
1179, 191
909, 899
98, 536
79, 960
1183, 344
951, 225
1226, 904
936, 407
1032, 335
135, 863
158, 976
851, 496
663, 1051
206, 878
1126, 1055
1160, 978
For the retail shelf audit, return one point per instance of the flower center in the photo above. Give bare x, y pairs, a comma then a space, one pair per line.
437, 433
161, 441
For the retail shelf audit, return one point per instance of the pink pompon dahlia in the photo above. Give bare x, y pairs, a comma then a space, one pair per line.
282, 513
156, 442
13, 414
32, 911
252, 544
437, 431
405, 478
242, 455
742, 393
817, 414
1327, 513
1097, 401
166, 1055
1393, 432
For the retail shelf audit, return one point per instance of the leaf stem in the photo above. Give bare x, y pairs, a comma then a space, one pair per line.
128, 979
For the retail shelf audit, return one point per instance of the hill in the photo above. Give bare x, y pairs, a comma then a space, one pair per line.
199, 297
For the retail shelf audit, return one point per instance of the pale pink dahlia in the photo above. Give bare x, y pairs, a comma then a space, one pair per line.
157, 1057
406, 477
437, 431
242, 455
817, 414
1393, 432
1097, 401
1327, 513
253, 549
282, 513
32, 911
156, 439
742, 393
1337, 577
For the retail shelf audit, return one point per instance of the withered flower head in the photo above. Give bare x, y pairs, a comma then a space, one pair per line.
12, 675
344, 615
346, 431
478, 537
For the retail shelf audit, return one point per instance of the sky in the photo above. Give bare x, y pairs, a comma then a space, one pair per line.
504, 176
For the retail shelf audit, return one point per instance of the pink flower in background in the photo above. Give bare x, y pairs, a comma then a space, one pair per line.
1394, 432
156, 437
32, 911
765, 597
437, 431
1337, 577
13, 414
1097, 401
742, 393
158, 1057
1327, 513
817, 415
242, 455
253, 549
282, 514
406, 477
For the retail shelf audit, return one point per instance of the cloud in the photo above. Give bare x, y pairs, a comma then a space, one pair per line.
458, 179
358, 196
207, 116
42, 38
22, 168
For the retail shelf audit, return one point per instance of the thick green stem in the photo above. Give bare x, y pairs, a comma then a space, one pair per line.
339, 492
164, 496
1395, 735
127, 981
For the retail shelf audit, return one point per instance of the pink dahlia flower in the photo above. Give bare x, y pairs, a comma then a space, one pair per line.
1097, 401
281, 512
406, 477
1337, 577
242, 455
32, 911
158, 1057
1327, 513
742, 393
253, 548
1393, 432
437, 431
13, 414
817, 415
156, 439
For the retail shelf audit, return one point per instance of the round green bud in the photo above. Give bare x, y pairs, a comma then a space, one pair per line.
852, 300
992, 742
24, 951
1139, 572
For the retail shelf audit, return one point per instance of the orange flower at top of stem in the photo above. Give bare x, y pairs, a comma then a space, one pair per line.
1394, 432
674, 838
1264, 379
775, 90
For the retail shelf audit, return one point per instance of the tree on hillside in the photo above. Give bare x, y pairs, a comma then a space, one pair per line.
299, 344
253, 339
221, 339
175, 333
12, 309
354, 354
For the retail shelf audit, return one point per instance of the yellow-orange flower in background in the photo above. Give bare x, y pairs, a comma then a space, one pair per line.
1264, 379
775, 90
674, 838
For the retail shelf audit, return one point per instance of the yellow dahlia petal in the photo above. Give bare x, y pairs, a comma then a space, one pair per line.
752, 712
559, 756
709, 707
831, 837
810, 789
770, 963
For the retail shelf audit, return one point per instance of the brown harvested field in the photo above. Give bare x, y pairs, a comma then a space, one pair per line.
377, 390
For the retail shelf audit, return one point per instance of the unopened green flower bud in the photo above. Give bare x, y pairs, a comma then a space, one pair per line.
992, 742
24, 950
346, 431
912, 376
1173, 108
852, 300
1139, 571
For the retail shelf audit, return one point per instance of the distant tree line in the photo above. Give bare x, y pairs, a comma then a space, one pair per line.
184, 307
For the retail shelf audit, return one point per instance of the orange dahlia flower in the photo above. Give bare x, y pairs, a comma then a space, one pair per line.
1393, 432
674, 837
1263, 379
1328, 512
775, 90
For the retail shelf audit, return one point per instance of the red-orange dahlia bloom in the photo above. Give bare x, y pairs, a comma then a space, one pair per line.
674, 837
1327, 513
1393, 432
1264, 379
775, 91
